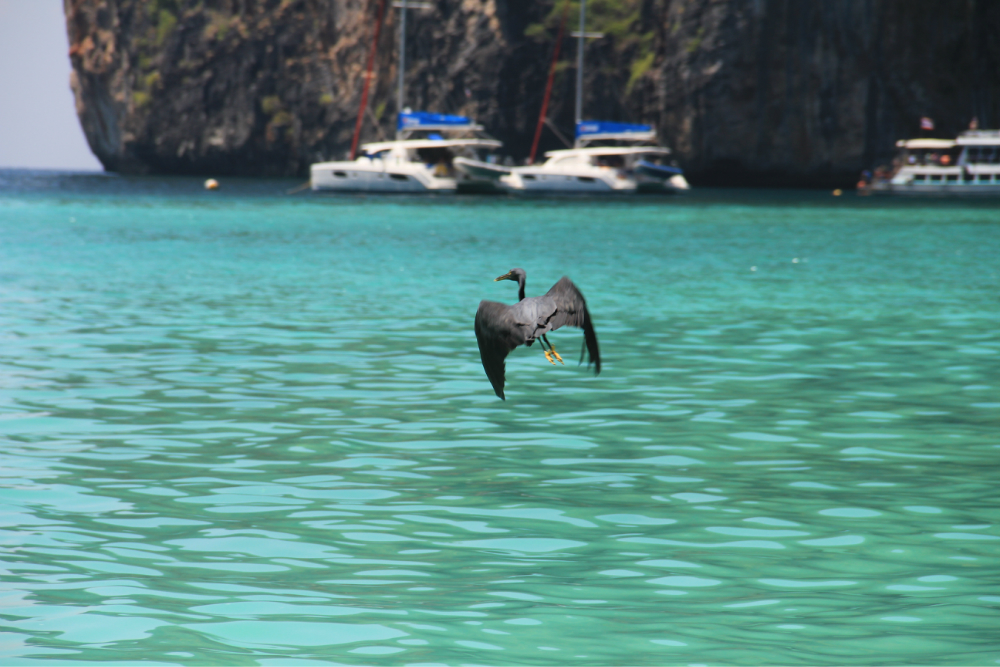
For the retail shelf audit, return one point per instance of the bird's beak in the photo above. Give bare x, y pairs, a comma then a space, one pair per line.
505, 276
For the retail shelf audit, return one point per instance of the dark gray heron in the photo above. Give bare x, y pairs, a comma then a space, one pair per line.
500, 328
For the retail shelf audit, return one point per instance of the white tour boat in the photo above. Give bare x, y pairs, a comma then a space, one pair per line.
967, 165
608, 157
421, 159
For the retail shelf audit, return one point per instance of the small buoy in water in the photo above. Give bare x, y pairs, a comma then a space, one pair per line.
211, 184
753, 269
838, 192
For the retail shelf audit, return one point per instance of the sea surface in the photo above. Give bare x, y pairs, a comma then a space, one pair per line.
252, 428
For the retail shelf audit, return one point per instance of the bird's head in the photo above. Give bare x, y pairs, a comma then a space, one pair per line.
517, 275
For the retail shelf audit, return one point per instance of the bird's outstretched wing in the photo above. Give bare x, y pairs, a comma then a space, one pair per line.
571, 309
497, 334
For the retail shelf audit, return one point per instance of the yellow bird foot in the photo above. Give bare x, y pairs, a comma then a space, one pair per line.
556, 355
548, 355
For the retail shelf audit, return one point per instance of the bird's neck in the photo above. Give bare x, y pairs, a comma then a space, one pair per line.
520, 290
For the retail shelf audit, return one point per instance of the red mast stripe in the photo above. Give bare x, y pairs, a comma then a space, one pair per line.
548, 85
368, 80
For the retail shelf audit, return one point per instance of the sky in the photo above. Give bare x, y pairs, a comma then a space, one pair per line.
38, 124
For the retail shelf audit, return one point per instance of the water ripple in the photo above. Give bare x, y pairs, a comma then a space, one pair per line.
217, 450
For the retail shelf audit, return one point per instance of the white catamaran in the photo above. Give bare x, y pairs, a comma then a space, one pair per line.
421, 159
607, 157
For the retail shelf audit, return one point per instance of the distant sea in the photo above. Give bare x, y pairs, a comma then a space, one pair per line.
248, 427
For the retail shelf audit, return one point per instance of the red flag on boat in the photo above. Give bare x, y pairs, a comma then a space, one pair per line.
926, 123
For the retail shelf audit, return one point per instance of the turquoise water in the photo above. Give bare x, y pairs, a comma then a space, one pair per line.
250, 428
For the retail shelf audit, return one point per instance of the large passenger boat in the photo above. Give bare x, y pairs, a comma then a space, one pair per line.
421, 159
966, 165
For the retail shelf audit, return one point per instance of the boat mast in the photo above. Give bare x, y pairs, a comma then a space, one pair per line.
548, 84
402, 54
579, 61
582, 35
403, 5
368, 80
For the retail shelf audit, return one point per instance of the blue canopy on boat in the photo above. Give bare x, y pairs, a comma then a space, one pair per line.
587, 127
412, 120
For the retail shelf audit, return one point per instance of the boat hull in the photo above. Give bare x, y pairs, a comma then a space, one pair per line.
949, 190
477, 177
674, 185
377, 177
585, 181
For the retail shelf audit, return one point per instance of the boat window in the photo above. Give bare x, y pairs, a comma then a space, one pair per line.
528, 177
613, 161
984, 155
919, 178
438, 158
585, 179
985, 178
935, 178
399, 177
952, 178
340, 174
435, 155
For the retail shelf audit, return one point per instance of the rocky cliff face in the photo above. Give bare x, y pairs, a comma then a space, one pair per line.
746, 91
263, 88
798, 91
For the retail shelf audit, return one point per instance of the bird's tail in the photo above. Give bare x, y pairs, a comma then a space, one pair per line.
590, 345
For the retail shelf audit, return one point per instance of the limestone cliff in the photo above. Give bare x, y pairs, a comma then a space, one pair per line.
263, 87
807, 92
746, 91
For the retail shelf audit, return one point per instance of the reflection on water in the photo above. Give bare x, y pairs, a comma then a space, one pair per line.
256, 430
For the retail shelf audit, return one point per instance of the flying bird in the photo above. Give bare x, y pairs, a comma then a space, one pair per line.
500, 328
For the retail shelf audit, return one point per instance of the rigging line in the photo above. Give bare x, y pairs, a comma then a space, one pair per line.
555, 131
378, 128
368, 80
548, 86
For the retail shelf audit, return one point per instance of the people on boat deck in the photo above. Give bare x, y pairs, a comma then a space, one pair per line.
931, 158
864, 183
